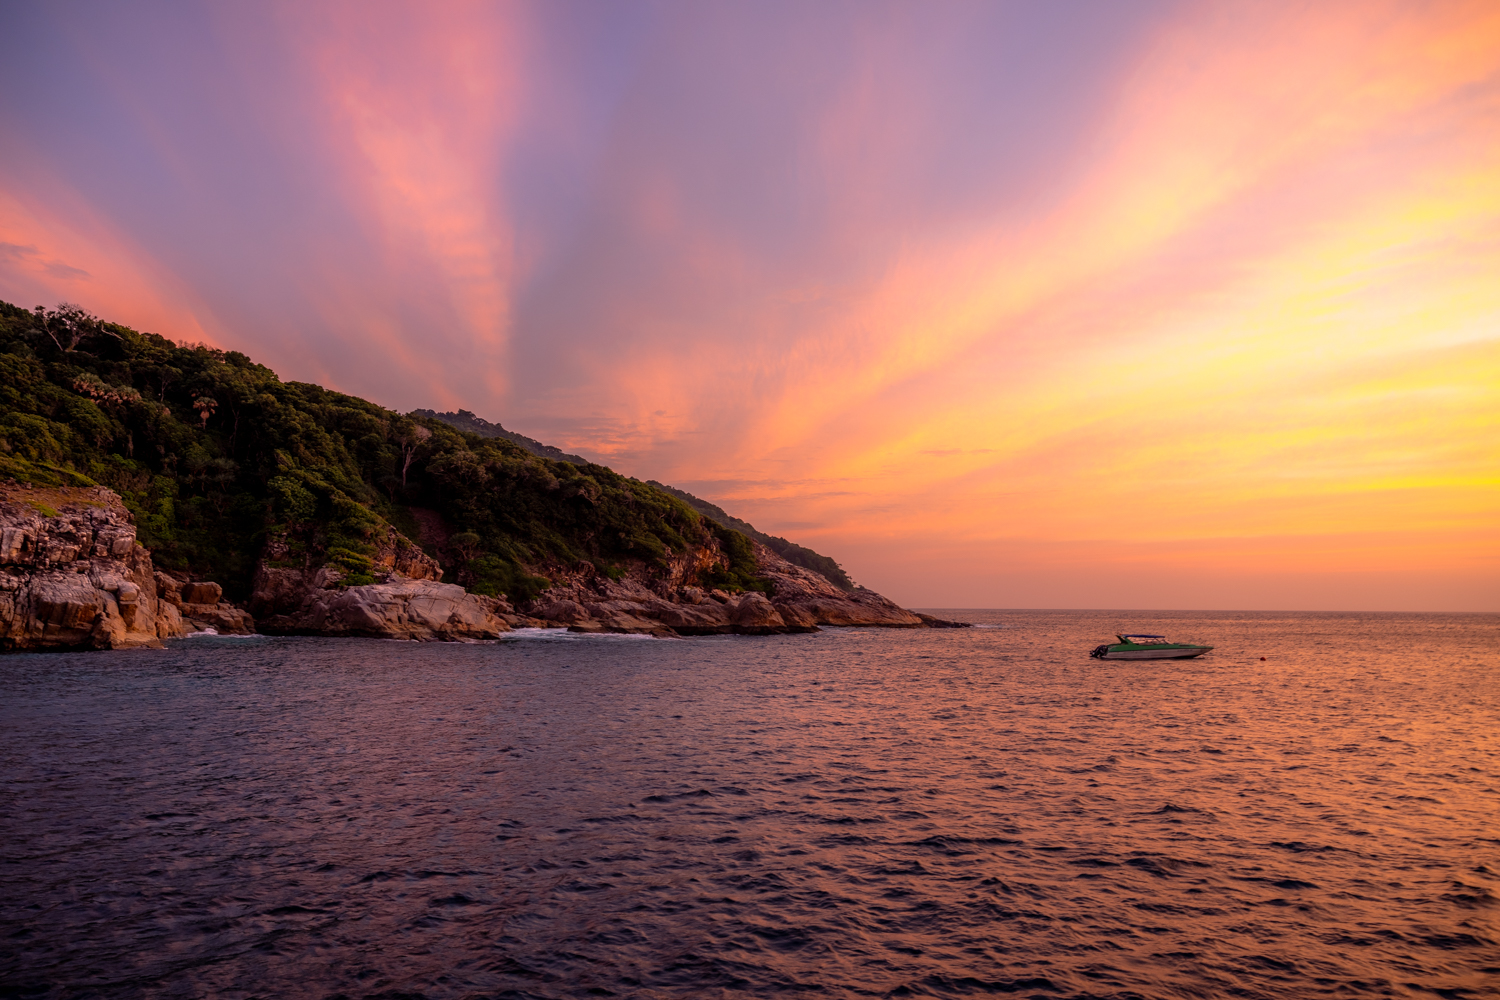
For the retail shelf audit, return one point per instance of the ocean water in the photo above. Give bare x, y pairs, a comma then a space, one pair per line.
1311, 810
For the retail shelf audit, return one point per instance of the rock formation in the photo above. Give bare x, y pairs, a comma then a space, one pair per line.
806, 594
408, 602
72, 575
397, 609
200, 605
588, 601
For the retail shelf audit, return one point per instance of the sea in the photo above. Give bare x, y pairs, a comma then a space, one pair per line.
1312, 809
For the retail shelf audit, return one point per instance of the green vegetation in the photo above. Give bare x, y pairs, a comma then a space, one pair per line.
798, 555
214, 455
740, 573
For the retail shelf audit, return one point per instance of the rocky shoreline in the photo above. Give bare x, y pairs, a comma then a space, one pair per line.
73, 576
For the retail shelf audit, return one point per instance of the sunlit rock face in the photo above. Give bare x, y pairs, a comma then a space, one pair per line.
406, 602
72, 575
802, 595
395, 554
641, 601
398, 609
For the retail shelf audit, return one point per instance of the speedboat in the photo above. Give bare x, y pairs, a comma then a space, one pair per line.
1147, 647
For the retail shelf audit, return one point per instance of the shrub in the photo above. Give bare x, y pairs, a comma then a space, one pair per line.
293, 502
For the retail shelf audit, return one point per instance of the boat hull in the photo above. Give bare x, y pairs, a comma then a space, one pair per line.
1179, 653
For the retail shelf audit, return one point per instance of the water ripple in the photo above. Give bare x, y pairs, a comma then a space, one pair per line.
848, 814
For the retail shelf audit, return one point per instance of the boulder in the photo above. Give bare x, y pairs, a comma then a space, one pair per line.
564, 612
797, 619
66, 605
169, 621
708, 618
606, 609
635, 625
753, 614
201, 593
168, 588
398, 609
222, 617
587, 625
16, 543
72, 575
523, 621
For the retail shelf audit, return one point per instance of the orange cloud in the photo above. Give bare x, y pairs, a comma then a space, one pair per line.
1334, 369
54, 249
420, 102
1240, 319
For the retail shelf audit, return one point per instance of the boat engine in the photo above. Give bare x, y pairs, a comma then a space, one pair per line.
1099, 651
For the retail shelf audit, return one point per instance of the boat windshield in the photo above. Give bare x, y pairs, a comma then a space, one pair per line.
1148, 638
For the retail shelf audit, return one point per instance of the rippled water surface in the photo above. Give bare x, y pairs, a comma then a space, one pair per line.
848, 814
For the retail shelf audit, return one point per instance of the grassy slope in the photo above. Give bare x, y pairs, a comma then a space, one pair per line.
211, 452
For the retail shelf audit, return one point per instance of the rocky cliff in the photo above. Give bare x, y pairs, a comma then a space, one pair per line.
407, 602
799, 601
397, 609
72, 575
644, 599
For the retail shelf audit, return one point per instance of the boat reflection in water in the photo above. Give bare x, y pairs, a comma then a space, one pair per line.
1147, 647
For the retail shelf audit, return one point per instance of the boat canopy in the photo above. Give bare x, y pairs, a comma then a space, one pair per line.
1142, 636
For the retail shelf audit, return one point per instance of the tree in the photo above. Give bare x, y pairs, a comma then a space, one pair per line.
411, 436
69, 323
205, 405
467, 544
112, 396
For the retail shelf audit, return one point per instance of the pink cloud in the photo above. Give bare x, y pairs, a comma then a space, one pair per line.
990, 286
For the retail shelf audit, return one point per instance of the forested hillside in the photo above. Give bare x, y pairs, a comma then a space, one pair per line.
797, 555
214, 454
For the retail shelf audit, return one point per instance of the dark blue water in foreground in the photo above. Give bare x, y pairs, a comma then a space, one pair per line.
849, 814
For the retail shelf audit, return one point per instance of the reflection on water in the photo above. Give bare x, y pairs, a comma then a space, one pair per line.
853, 813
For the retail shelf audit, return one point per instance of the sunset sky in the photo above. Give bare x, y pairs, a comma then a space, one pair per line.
1034, 304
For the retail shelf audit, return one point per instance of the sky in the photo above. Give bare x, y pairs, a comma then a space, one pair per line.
1007, 304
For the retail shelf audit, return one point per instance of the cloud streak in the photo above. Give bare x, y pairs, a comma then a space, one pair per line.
1146, 301
423, 153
